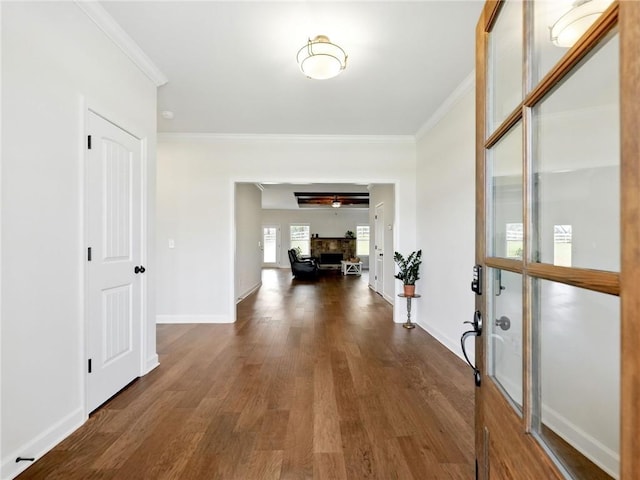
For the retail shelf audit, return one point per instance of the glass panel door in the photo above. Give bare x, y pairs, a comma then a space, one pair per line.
551, 232
270, 244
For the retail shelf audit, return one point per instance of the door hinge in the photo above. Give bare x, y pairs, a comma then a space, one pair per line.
89, 366
89, 142
89, 254
375, 217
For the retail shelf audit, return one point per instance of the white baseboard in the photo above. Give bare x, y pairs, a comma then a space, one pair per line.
193, 319
151, 363
453, 345
40, 445
600, 454
388, 298
248, 292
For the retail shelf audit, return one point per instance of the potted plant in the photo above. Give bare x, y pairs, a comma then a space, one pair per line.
349, 234
408, 270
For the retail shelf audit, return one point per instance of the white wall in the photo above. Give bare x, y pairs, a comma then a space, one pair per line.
327, 222
385, 194
446, 223
53, 59
196, 176
248, 239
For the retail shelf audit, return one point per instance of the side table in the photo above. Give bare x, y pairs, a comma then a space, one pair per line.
408, 323
351, 268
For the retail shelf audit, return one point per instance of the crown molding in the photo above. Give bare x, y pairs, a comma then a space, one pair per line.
276, 138
467, 84
117, 35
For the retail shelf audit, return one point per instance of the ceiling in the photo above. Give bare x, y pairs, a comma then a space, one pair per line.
232, 70
281, 196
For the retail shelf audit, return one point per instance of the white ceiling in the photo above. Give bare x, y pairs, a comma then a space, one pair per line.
232, 70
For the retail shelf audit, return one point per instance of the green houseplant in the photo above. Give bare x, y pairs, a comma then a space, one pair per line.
408, 270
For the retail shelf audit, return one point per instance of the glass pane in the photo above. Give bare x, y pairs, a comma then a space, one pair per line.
362, 242
505, 330
505, 63
269, 242
577, 166
505, 187
300, 238
578, 343
558, 24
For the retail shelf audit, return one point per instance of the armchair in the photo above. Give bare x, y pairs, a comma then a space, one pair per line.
302, 267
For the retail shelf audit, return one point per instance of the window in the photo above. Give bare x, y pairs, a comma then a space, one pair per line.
362, 240
299, 237
562, 245
270, 244
514, 240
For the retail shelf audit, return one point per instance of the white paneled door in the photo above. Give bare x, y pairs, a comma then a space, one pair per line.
115, 270
379, 249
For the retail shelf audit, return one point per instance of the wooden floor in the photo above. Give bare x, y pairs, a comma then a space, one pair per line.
314, 380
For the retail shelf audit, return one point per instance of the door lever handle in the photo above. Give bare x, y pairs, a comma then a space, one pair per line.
476, 332
139, 269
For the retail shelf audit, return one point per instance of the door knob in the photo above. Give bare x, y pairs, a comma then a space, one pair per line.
139, 269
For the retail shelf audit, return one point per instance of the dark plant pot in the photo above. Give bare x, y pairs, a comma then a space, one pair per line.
409, 290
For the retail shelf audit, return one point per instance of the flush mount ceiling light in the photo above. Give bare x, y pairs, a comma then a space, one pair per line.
336, 203
572, 25
320, 59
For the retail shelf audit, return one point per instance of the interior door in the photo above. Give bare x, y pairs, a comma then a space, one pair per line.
114, 267
557, 208
379, 249
270, 245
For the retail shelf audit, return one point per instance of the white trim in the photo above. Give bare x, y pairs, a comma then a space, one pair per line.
231, 205
390, 301
163, 319
44, 442
1, 130
151, 363
120, 38
276, 138
248, 292
465, 86
144, 244
453, 345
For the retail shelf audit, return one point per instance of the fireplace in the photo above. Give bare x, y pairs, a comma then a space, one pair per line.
331, 258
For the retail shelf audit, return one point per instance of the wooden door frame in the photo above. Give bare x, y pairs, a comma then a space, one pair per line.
626, 14
629, 219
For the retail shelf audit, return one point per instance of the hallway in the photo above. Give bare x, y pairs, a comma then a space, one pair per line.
314, 380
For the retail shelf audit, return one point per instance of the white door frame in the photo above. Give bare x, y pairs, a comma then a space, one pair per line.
144, 365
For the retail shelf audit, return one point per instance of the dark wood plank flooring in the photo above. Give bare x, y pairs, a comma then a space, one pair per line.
314, 380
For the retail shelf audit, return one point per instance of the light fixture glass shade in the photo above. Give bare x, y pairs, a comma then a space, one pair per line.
336, 203
573, 24
320, 59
